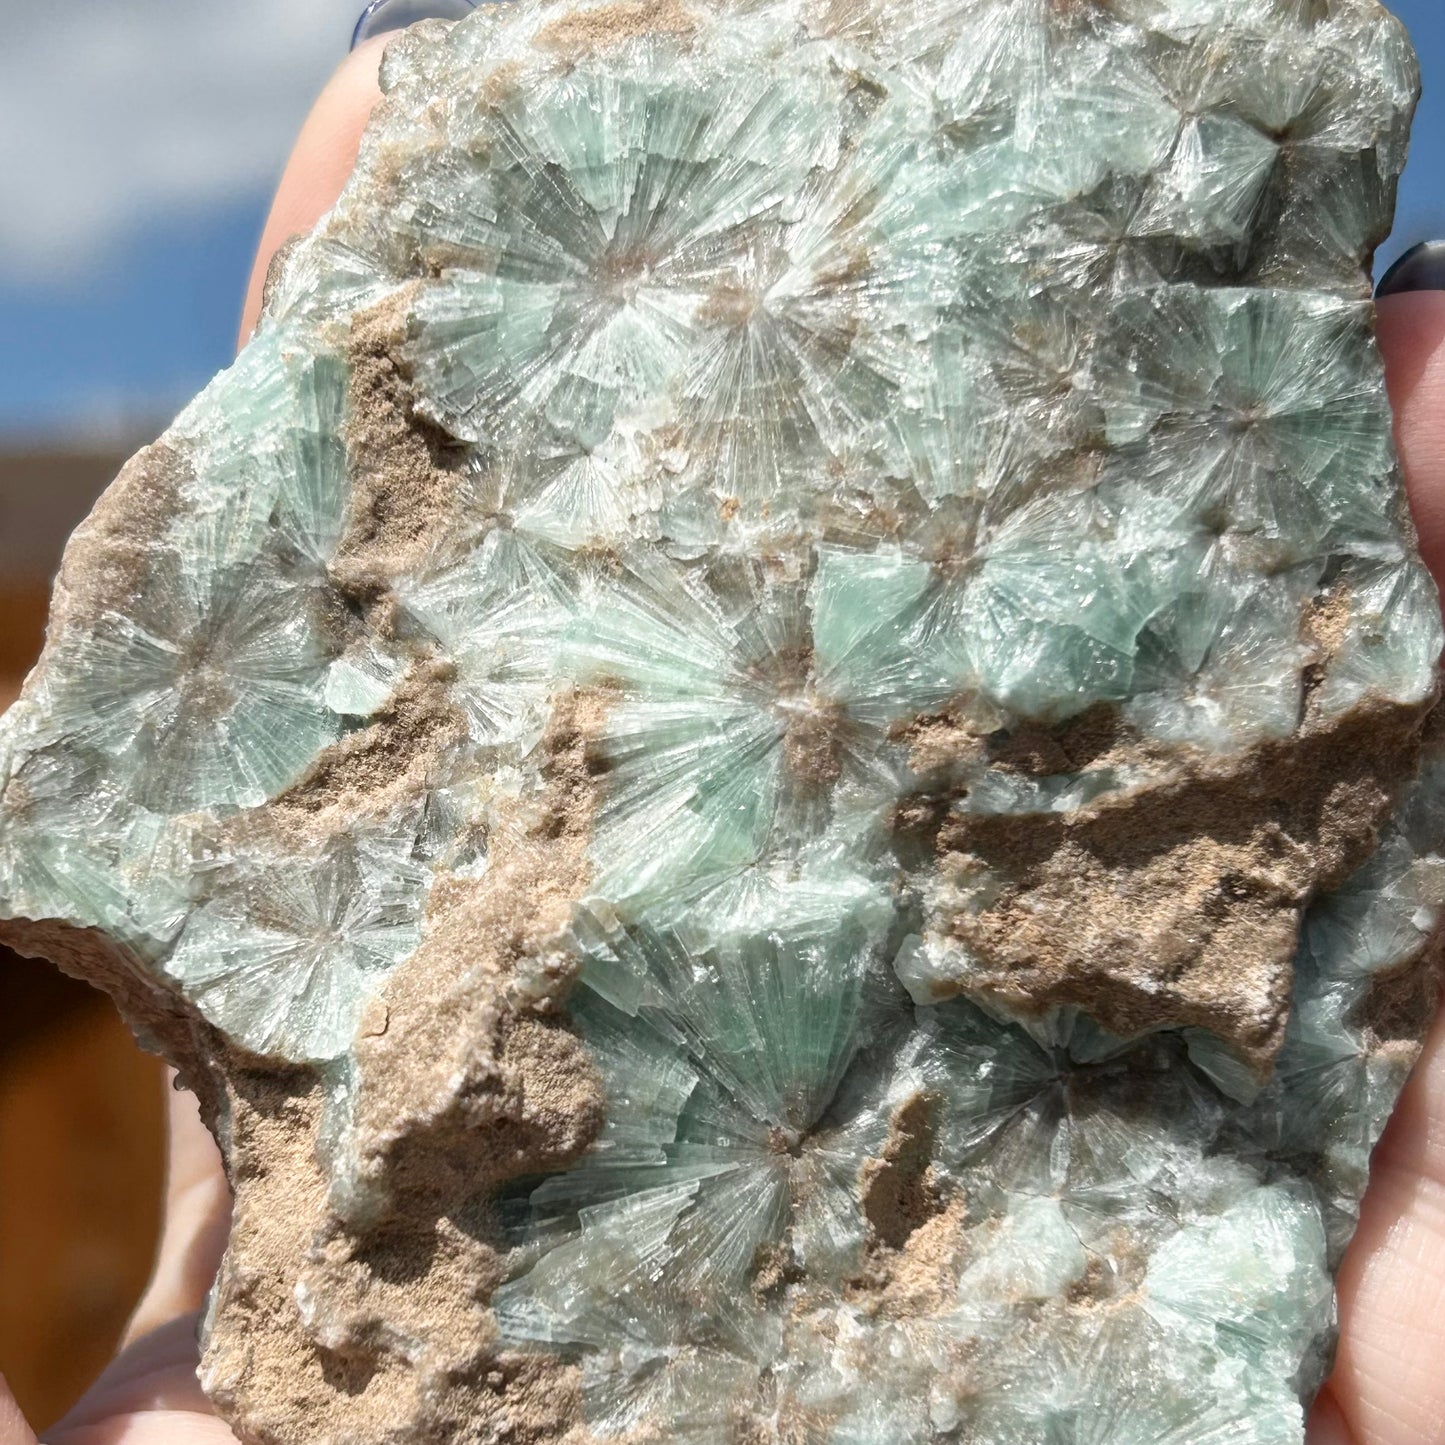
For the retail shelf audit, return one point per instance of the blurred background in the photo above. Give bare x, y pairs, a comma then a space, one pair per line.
139, 143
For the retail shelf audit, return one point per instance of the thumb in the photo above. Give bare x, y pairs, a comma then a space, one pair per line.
197, 1217
1388, 1387
320, 163
1412, 337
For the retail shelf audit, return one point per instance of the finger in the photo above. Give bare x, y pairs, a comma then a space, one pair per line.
1412, 337
1328, 1425
1388, 1387
320, 163
1388, 1378
1388, 1384
153, 1427
197, 1217
155, 1374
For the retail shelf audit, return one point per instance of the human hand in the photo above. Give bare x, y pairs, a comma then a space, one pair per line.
1389, 1384
149, 1394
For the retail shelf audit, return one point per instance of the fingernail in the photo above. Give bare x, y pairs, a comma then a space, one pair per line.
1421, 268
384, 15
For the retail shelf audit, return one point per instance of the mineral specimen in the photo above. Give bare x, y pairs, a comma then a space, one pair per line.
766, 756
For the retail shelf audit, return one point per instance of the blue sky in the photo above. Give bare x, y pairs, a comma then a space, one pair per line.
138, 143
1421, 214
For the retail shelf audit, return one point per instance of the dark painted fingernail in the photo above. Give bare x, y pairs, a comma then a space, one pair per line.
383, 15
1421, 268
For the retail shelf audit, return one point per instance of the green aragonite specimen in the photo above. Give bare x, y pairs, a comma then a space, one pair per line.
764, 757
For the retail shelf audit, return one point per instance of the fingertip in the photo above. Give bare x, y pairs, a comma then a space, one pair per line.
320, 163
1411, 329
196, 1224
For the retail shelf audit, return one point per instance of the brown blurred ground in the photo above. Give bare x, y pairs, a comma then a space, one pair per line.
81, 1108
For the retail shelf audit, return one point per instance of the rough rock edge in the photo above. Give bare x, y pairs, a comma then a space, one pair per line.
372, 1324
109, 556
376, 1328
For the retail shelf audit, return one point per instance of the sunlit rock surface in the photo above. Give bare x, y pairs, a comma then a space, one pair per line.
764, 756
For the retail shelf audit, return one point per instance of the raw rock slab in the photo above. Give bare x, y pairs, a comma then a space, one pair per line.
769, 756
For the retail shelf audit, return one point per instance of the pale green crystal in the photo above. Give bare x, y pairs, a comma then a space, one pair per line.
814, 385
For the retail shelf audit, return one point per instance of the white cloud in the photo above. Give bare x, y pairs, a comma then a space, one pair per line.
112, 111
